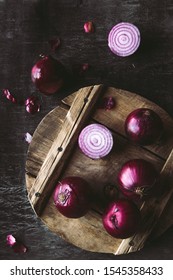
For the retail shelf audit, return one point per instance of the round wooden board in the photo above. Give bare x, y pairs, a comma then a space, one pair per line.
88, 232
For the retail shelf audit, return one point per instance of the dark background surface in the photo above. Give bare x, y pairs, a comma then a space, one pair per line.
25, 29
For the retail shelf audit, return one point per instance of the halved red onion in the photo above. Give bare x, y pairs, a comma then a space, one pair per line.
9, 96
95, 141
124, 39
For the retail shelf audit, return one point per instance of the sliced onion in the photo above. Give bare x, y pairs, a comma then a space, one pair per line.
124, 39
95, 141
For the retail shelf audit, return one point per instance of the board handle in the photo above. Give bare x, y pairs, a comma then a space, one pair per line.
151, 211
62, 147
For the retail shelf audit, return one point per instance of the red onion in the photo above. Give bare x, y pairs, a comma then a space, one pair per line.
48, 75
124, 39
121, 218
137, 179
95, 141
143, 126
32, 105
72, 197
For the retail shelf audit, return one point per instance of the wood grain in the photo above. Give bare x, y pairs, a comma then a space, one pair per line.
98, 173
151, 211
62, 147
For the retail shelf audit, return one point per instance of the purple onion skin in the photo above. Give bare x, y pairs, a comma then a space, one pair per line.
121, 218
137, 179
48, 75
143, 126
72, 197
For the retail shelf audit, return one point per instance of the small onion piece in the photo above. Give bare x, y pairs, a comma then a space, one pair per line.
124, 39
32, 104
16, 245
143, 126
72, 197
95, 141
137, 179
121, 218
9, 96
107, 103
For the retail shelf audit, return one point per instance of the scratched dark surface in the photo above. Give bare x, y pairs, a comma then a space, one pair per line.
25, 29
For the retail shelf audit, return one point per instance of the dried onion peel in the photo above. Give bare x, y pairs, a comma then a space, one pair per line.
95, 141
124, 39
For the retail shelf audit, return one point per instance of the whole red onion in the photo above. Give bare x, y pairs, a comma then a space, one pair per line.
72, 197
137, 179
121, 218
143, 126
48, 75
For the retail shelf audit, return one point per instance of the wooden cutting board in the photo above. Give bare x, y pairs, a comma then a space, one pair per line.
54, 154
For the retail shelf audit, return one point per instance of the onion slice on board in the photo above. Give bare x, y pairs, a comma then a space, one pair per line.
124, 39
95, 141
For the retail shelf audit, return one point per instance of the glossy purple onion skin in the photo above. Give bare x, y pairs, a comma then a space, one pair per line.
121, 218
143, 126
48, 75
77, 197
137, 179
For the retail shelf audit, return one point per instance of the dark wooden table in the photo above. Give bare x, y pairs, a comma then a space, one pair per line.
25, 29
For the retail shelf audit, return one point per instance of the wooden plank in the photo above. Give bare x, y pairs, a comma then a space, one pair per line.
62, 147
151, 211
98, 173
126, 102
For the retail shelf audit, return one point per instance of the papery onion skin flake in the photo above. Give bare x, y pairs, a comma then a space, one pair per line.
124, 39
143, 126
121, 218
95, 141
11, 240
89, 27
9, 96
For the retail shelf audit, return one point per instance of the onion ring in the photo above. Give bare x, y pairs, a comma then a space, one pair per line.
124, 39
95, 141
